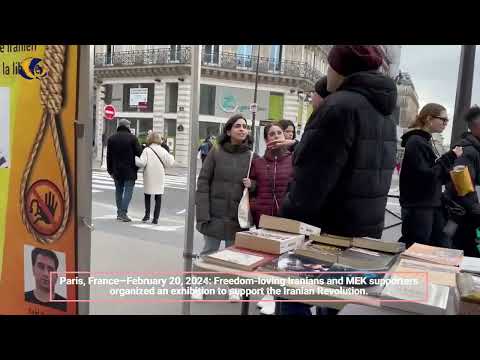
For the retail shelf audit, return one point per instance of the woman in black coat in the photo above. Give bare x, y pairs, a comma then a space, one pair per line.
423, 173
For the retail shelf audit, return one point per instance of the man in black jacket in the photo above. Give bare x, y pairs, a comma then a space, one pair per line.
464, 237
121, 151
344, 163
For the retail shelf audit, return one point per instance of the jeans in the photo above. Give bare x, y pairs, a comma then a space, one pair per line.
123, 195
158, 205
423, 226
213, 244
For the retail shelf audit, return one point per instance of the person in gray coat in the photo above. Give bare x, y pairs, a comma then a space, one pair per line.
220, 186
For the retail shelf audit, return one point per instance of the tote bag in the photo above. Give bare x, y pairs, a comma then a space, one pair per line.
244, 215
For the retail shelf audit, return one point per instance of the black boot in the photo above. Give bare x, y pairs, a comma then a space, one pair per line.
156, 211
147, 208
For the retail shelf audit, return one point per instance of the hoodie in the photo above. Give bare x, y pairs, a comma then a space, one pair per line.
344, 162
423, 172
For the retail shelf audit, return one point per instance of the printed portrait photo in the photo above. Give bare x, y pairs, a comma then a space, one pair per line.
38, 264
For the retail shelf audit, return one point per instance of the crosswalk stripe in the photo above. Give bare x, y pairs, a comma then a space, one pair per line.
104, 187
103, 181
172, 179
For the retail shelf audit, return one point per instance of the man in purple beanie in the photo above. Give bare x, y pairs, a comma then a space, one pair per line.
344, 163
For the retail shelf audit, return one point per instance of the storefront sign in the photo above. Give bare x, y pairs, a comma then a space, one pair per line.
138, 95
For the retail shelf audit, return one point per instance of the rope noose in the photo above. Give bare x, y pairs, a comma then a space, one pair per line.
51, 98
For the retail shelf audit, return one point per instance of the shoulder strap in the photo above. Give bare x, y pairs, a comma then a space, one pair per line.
250, 164
157, 157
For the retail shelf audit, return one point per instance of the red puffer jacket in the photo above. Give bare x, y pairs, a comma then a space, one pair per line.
270, 176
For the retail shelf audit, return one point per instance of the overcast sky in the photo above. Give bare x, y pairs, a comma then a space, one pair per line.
434, 72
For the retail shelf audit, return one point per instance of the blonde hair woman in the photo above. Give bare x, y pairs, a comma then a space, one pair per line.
424, 170
154, 160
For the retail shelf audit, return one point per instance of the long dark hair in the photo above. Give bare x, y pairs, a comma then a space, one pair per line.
224, 138
267, 129
284, 124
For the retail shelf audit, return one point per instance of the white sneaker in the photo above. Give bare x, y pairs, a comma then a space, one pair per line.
197, 294
234, 295
265, 301
268, 308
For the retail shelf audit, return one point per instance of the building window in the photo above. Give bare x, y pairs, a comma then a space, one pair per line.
171, 97
136, 97
207, 99
109, 55
244, 56
211, 54
175, 53
170, 133
275, 58
206, 129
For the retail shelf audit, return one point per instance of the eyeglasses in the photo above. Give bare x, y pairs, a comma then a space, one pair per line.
445, 120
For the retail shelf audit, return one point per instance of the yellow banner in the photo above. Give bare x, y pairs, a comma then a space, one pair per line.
38, 105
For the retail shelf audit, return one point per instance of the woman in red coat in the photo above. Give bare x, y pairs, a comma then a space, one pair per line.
269, 176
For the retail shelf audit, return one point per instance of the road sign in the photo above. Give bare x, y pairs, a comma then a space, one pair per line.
253, 108
109, 112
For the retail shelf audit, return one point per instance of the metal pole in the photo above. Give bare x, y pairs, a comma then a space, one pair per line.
254, 113
464, 91
192, 165
84, 130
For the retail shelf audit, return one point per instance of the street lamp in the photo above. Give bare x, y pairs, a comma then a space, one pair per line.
464, 91
254, 110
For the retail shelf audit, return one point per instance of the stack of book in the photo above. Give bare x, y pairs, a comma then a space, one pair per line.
256, 247
238, 258
433, 254
315, 251
287, 225
353, 257
393, 247
424, 298
269, 241
436, 270
275, 235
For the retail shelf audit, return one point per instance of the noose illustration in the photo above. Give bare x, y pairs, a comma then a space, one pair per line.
51, 99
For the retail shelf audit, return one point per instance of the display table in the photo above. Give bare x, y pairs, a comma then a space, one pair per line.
361, 302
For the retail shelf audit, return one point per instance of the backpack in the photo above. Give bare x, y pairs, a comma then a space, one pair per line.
204, 149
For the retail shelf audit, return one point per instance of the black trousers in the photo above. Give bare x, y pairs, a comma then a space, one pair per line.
158, 205
464, 238
424, 226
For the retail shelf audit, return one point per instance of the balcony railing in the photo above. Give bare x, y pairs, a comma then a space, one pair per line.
144, 57
223, 60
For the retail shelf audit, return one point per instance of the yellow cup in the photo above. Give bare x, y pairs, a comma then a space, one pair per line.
461, 180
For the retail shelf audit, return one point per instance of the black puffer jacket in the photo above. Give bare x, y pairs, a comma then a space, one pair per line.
122, 148
422, 175
344, 163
